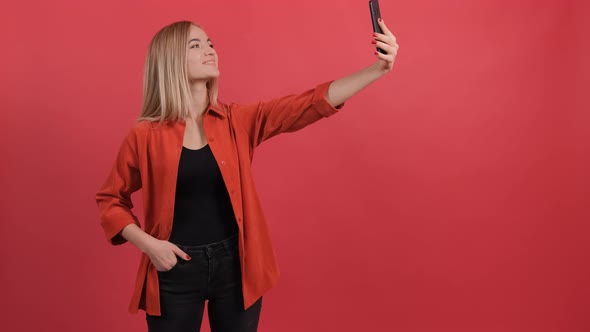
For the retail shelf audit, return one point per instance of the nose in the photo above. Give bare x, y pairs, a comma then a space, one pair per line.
210, 50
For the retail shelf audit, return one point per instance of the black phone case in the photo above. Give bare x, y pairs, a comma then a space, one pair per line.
376, 14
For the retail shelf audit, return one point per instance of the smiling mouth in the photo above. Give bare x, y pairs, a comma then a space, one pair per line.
209, 63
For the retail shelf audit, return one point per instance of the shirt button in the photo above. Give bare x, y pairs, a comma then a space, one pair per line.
212, 139
240, 219
223, 162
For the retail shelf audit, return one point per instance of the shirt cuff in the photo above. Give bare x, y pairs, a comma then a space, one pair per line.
113, 225
321, 104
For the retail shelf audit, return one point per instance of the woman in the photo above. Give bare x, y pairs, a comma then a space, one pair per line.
205, 238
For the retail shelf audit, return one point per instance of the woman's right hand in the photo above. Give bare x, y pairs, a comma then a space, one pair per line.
163, 254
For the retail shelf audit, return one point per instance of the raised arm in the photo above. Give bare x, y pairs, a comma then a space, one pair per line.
342, 89
287, 114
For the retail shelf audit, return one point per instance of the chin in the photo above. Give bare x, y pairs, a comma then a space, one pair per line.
205, 78
212, 73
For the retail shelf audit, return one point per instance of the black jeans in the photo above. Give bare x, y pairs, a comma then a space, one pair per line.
212, 274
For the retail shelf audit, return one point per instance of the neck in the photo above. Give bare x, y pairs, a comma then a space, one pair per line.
199, 99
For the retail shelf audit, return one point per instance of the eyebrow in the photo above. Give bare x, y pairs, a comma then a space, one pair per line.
198, 40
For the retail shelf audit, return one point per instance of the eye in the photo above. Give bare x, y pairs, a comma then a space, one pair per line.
195, 46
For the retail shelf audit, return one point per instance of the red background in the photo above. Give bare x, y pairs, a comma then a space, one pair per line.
451, 195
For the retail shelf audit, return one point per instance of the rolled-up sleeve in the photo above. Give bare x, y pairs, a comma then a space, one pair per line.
321, 103
114, 196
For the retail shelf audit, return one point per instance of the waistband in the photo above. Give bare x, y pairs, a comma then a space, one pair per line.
227, 244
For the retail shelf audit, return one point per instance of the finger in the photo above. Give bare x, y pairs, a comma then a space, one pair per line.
166, 266
385, 57
172, 262
181, 253
384, 27
386, 47
384, 38
395, 48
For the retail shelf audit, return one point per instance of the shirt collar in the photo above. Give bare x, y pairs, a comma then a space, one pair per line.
218, 110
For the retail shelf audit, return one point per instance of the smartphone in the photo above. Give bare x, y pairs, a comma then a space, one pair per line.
376, 14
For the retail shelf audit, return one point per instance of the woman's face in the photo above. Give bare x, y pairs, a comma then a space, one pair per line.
201, 57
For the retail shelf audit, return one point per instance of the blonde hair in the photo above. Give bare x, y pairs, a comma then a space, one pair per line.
166, 90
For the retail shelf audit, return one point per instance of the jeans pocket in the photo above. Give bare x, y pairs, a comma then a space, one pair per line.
179, 264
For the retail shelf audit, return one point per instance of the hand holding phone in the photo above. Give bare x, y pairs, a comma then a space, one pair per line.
375, 15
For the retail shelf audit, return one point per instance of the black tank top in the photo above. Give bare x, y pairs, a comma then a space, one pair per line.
203, 212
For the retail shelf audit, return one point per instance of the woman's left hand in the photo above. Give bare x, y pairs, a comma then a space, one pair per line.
387, 43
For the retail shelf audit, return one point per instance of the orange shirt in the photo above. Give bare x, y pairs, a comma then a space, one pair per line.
148, 159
